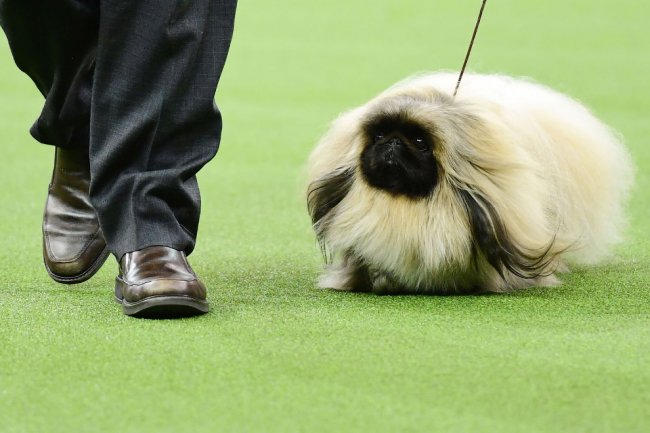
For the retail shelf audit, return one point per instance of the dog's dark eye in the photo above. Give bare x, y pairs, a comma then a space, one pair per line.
379, 136
421, 143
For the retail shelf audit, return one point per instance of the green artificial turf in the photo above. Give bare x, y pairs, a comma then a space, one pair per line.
277, 355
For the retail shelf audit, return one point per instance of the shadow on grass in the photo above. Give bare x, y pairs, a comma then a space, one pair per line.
264, 284
587, 290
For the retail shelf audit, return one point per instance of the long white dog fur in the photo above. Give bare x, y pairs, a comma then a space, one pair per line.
544, 174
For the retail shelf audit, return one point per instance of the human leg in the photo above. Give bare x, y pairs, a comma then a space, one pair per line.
154, 123
54, 43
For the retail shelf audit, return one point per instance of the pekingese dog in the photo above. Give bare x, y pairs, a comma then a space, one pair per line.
493, 190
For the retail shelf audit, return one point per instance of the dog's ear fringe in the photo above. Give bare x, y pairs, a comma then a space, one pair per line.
491, 239
323, 195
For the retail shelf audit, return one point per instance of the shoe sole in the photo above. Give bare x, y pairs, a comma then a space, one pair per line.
86, 275
161, 307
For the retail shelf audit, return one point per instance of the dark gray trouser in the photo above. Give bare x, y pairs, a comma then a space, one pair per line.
134, 80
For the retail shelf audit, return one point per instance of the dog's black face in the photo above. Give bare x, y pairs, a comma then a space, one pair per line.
398, 156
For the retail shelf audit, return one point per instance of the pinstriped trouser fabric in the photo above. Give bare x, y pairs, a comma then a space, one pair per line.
134, 80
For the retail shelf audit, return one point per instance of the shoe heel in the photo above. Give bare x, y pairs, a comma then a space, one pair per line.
119, 298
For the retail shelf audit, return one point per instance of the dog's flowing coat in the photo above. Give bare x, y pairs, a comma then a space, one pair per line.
418, 192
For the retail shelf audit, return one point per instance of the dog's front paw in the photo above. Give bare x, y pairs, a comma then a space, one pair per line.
384, 284
348, 276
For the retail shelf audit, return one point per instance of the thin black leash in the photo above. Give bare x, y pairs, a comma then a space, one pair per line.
471, 45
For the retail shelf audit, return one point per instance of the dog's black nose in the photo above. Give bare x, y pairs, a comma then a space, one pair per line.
391, 149
394, 142
391, 146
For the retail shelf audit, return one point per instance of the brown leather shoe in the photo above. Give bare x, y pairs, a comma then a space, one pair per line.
73, 243
159, 282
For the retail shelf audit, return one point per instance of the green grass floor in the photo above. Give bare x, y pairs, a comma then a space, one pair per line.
277, 355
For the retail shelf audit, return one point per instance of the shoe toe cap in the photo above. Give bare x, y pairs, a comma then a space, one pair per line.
164, 287
70, 261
